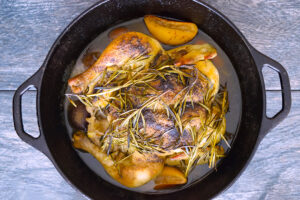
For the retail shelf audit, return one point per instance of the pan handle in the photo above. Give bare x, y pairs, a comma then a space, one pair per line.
39, 142
270, 122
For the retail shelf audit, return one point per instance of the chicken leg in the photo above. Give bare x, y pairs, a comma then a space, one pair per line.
133, 171
126, 47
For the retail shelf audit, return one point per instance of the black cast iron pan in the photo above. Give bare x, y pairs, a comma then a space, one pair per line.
50, 82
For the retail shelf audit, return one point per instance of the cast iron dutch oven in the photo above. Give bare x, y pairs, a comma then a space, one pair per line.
50, 82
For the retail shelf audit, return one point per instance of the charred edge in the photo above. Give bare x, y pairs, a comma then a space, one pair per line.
134, 46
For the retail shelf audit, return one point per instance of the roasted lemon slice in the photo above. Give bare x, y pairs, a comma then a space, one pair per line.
170, 32
169, 177
192, 53
207, 68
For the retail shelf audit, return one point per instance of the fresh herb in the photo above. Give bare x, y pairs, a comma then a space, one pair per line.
128, 131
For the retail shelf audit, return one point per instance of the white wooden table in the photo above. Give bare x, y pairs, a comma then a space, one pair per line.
29, 27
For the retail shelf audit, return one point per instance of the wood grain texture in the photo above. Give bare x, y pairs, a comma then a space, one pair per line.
29, 28
274, 170
272, 27
27, 31
273, 173
25, 173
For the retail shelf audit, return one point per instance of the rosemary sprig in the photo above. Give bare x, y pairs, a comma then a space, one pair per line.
129, 130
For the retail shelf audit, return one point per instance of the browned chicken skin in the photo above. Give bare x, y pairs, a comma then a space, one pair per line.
125, 47
133, 171
172, 88
160, 129
128, 159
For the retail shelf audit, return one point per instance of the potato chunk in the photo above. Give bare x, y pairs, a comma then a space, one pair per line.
77, 116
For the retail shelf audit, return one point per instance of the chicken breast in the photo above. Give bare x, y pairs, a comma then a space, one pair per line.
173, 90
159, 128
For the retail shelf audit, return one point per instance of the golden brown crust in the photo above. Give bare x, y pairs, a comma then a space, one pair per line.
172, 87
125, 47
133, 171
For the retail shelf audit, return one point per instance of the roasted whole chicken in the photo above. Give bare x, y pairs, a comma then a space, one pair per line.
152, 114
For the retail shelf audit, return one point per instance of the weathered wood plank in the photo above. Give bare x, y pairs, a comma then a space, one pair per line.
272, 27
26, 173
28, 29
272, 174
